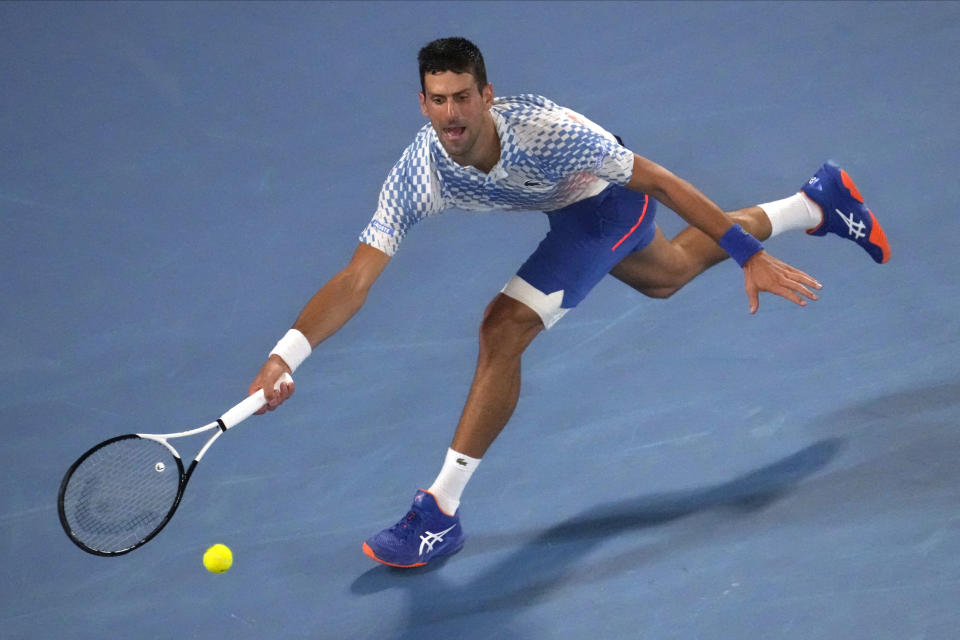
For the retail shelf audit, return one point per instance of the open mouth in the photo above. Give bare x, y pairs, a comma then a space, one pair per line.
454, 133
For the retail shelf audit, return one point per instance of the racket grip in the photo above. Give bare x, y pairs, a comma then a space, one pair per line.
249, 406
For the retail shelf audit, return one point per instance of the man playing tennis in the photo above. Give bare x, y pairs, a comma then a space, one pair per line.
527, 153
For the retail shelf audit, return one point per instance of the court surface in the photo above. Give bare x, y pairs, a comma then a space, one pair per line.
178, 178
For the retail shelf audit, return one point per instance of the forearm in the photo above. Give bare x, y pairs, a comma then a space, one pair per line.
695, 208
680, 196
334, 304
326, 312
331, 307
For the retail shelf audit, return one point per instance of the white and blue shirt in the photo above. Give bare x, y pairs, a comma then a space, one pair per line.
550, 157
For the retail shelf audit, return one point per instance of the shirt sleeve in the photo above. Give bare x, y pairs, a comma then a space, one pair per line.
409, 194
570, 143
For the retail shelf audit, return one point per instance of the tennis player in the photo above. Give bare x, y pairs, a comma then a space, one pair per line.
527, 153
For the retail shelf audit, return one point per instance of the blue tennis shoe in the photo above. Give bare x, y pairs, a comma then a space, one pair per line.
424, 534
844, 212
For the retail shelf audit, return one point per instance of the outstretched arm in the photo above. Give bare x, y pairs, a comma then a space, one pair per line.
329, 309
762, 272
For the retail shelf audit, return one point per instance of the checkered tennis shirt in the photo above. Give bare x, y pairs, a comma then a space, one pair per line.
550, 157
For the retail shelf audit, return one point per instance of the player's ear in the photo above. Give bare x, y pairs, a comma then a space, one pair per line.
487, 94
423, 103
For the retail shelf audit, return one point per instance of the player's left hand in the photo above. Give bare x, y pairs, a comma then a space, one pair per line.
763, 272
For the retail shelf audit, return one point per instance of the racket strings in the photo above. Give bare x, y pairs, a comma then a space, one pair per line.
121, 493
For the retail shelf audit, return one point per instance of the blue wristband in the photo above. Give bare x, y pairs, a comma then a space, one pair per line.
739, 244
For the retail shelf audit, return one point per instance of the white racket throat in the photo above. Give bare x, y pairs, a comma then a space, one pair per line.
231, 418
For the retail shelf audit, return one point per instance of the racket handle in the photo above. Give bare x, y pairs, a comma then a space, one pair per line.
249, 406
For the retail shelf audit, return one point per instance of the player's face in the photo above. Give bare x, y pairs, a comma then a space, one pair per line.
457, 109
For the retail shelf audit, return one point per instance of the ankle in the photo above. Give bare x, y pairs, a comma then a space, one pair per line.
448, 487
788, 214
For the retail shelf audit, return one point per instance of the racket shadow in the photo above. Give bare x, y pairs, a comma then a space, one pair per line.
544, 561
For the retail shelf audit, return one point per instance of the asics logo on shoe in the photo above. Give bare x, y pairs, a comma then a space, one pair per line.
855, 228
429, 539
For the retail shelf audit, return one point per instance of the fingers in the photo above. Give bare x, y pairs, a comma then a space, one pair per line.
278, 396
799, 281
792, 290
754, 299
795, 283
791, 295
803, 278
773, 276
273, 394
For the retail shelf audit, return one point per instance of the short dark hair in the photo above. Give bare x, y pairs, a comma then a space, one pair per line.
452, 54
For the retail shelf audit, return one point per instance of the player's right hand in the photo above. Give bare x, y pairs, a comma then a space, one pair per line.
271, 371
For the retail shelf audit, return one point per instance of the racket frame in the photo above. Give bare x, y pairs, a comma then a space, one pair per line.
231, 418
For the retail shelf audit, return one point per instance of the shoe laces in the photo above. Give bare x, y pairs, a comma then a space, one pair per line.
407, 526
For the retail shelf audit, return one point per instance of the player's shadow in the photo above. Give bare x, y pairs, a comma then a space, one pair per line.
543, 562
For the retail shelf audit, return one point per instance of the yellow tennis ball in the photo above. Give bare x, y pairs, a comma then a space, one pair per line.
218, 558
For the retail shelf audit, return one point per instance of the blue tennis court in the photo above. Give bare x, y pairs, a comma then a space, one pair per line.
177, 178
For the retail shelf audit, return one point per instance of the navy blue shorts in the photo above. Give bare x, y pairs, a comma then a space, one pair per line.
586, 240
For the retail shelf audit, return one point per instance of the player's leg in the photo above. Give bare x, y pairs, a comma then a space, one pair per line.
508, 327
431, 529
828, 203
584, 242
661, 268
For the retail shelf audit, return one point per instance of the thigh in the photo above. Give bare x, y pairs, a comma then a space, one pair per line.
659, 265
586, 240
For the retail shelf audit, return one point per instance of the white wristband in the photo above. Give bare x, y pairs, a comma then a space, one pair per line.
293, 348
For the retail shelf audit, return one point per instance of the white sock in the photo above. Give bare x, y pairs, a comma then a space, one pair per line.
453, 478
795, 212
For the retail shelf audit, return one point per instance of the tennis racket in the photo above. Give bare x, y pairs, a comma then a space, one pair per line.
121, 493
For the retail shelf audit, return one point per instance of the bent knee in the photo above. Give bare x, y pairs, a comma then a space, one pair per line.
661, 292
508, 325
662, 289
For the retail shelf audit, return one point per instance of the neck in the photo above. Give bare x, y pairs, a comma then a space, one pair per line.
487, 149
